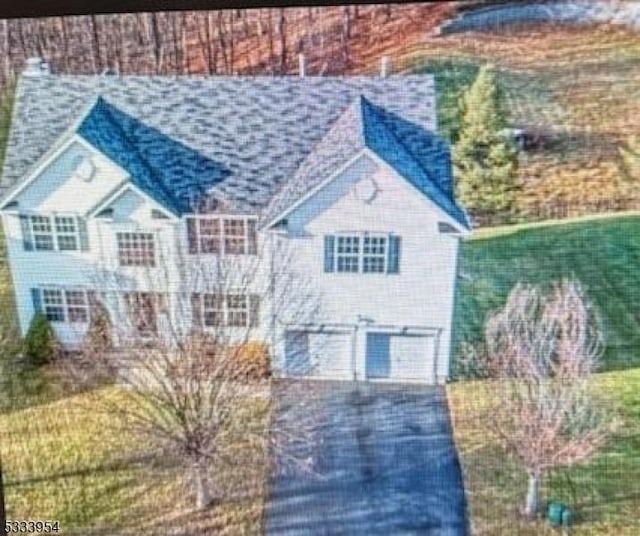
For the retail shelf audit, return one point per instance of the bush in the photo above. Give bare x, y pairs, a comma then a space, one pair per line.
98, 337
40, 344
253, 360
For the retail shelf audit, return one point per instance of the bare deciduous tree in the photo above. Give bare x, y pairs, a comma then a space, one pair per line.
193, 355
540, 352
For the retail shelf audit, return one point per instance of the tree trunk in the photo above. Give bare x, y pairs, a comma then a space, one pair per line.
533, 491
202, 486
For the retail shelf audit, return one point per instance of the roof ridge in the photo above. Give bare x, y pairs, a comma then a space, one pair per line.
373, 108
109, 115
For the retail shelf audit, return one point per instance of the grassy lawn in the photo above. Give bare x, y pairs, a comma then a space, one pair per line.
65, 461
579, 86
605, 492
602, 253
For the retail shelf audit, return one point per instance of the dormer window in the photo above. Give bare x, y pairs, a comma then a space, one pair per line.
228, 235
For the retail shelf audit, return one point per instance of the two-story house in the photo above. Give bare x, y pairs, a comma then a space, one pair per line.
109, 175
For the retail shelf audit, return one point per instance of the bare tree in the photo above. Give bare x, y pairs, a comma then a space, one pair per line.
191, 350
541, 350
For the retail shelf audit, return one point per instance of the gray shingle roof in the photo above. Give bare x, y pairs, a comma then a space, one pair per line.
259, 130
414, 152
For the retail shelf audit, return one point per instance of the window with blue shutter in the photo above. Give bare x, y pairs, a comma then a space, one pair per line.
393, 259
329, 253
27, 236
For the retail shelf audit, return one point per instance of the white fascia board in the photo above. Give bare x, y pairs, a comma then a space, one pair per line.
317, 189
462, 231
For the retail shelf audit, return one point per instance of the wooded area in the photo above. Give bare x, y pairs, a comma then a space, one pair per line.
334, 40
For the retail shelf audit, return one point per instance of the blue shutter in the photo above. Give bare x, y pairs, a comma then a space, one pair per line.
393, 259
329, 241
83, 234
192, 236
36, 298
27, 239
252, 245
254, 310
196, 311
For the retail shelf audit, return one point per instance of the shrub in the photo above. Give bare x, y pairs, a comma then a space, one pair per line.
98, 337
40, 344
253, 360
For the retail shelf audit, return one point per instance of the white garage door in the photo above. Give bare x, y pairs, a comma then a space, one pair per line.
400, 357
412, 357
326, 354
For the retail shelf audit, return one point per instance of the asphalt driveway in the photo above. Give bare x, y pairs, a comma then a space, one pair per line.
384, 462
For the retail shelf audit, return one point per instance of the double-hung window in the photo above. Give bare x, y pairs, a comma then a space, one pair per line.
136, 249
63, 305
348, 253
57, 232
42, 233
367, 253
225, 309
66, 233
222, 235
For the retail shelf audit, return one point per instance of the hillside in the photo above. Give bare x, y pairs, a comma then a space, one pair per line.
603, 254
575, 89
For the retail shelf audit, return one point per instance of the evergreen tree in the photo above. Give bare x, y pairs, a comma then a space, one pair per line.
40, 343
630, 160
484, 158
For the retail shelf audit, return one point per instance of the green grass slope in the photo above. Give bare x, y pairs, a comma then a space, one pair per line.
603, 254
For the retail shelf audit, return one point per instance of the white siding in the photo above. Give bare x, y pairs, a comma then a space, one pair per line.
421, 295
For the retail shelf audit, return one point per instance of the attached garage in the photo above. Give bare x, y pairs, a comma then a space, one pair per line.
319, 353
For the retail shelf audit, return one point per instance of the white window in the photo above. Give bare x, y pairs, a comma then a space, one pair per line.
53, 305
374, 254
136, 249
366, 253
222, 309
42, 233
213, 310
65, 305
66, 233
348, 253
237, 310
222, 235
58, 232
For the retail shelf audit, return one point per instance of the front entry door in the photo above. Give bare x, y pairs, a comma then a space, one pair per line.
378, 355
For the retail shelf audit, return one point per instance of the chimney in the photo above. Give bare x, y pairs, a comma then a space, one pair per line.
36, 66
385, 66
302, 66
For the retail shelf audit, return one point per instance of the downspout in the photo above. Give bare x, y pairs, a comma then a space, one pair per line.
272, 284
453, 306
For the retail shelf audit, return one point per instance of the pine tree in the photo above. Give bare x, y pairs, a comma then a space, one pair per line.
484, 158
630, 160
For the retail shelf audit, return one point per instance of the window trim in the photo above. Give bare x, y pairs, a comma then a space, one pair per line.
64, 303
51, 218
251, 320
250, 236
143, 261
360, 237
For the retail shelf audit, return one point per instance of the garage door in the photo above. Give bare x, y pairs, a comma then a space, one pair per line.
326, 354
400, 357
